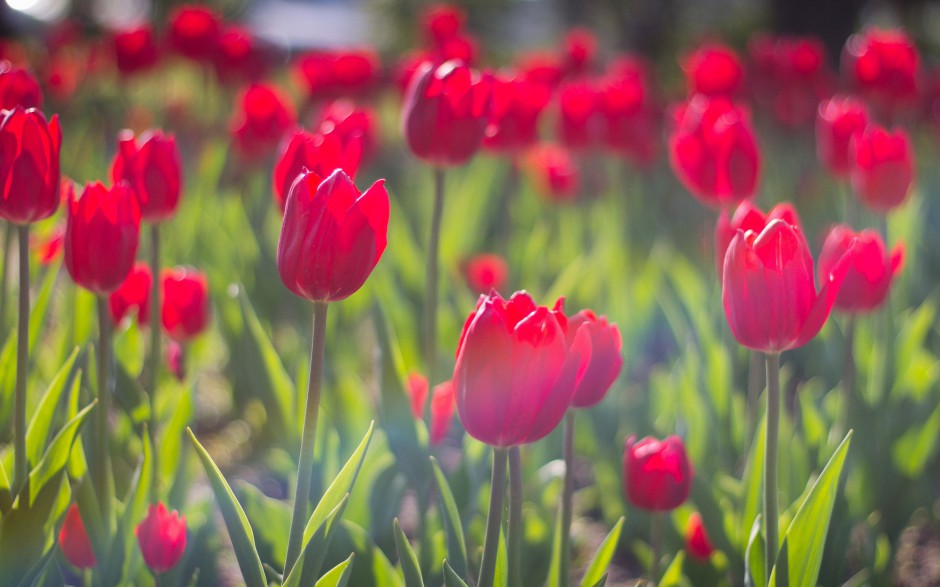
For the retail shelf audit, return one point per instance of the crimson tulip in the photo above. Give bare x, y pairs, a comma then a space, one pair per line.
486, 272
442, 410
135, 49
29, 165
355, 126
871, 268
657, 473
713, 70
579, 109
74, 542
185, 295
445, 113
332, 236
152, 167
697, 542
747, 217
133, 295
442, 22
18, 88
417, 393
580, 49
162, 538
554, 171
882, 167
606, 361
194, 30
261, 117
514, 119
790, 77
632, 124
238, 55
333, 74
837, 121
101, 236
884, 65
319, 153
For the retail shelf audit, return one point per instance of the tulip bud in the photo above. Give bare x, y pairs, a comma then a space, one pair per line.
882, 167
185, 295
697, 542
18, 88
486, 273
838, 120
332, 236
29, 165
606, 361
101, 236
713, 70
133, 295
152, 169
135, 49
871, 270
442, 410
162, 538
319, 153
194, 30
657, 474
74, 542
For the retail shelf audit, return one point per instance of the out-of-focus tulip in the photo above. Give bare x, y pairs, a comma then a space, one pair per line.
541, 68
882, 167
176, 360
135, 49
152, 167
697, 542
62, 74
162, 538
837, 121
884, 65
194, 31
442, 410
330, 75
515, 373
554, 172
871, 268
101, 236
580, 47
789, 77
354, 125
445, 113
632, 124
49, 248
74, 542
18, 88
261, 117
29, 165
768, 292
714, 152
514, 119
579, 114
442, 22
747, 217
133, 295
238, 55
657, 473
606, 361
332, 236
486, 272
417, 393
713, 70
319, 153
185, 295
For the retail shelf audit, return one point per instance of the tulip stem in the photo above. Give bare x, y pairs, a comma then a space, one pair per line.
656, 542
20, 468
305, 466
155, 326
566, 500
493, 518
514, 536
848, 374
4, 275
103, 462
755, 385
430, 296
770, 460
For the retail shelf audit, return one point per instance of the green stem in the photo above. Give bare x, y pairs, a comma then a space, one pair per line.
20, 468
4, 275
514, 536
103, 464
307, 442
656, 544
566, 500
155, 328
493, 518
431, 272
755, 385
848, 374
770, 460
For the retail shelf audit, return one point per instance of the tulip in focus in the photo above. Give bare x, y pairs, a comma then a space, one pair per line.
162, 538
486, 272
882, 167
133, 295
151, 166
606, 361
697, 542
74, 542
29, 165
657, 473
838, 120
18, 88
747, 217
871, 268
713, 70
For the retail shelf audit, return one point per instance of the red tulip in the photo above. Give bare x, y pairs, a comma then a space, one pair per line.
162, 538
789, 77
579, 109
29, 165
871, 269
332, 236
837, 121
176, 360
657, 473
133, 295
318, 153
747, 217
74, 542
514, 119
417, 393
18, 88
445, 113
580, 47
152, 169
632, 125
486, 273
542, 68
882, 167
194, 31
135, 49
62, 74
714, 152
101, 236
515, 373
554, 171
442, 22
442, 411
354, 125
768, 292
697, 542
713, 70
238, 55
604, 366
261, 118
340, 73
883, 64
185, 295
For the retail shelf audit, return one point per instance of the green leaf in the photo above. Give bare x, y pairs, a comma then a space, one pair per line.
271, 520
129, 349
407, 558
456, 545
6, 496
753, 482
243, 540
27, 532
806, 535
673, 576
605, 553
339, 575
171, 443
554, 564
308, 565
755, 574
57, 455
451, 578
501, 576
601, 582
41, 423
912, 451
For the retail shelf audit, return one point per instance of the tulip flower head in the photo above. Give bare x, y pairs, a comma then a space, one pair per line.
747, 217
335, 74
580, 50
319, 153
18, 88
697, 542
239, 55
135, 49
152, 167
517, 106
871, 268
29, 165
486, 273
554, 172
882, 167
632, 123
884, 65
185, 294
606, 360
261, 117
133, 295
74, 542
838, 120
332, 236
194, 30
790, 77
713, 70
657, 473
354, 125
579, 108
442, 22
162, 538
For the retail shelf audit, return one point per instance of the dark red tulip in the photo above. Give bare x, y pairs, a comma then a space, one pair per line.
329, 75
579, 114
74, 542
135, 49
354, 125
747, 217
882, 167
714, 152
657, 473
194, 31
838, 120
133, 296
332, 236
632, 124
443, 403
884, 65
261, 117
768, 288
442, 22
18, 88
238, 55
185, 295
606, 361
319, 153
697, 542
514, 119
554, 171
417, 393
789, 77
29, 165
445, 113
152, 167
486, 273
871, 268
580, 47
162, 538
542, 68
713, 70
101, 236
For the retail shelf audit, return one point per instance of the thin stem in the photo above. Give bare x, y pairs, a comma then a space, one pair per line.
430, 294
848, 374
20, 468
755, 384
493, 518
103, 461
656, 544
4, 275
770, 460
566, 499
514, 536
155, 327
305, 466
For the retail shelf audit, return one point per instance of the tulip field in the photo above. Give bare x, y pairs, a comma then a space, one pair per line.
442, 315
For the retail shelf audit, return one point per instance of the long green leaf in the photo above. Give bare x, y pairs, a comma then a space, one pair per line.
339, 575
311, 559
456, 544
554, 564
451, 578
605, 553
407, 558
501, 575
243, 540
755, 574
57, 455
27, 532
41, 423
